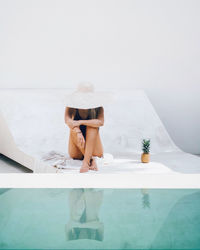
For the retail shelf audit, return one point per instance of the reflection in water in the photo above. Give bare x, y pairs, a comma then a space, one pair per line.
84, 221
36, 218
145, 198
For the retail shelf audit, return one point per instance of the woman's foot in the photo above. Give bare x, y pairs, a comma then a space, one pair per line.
85, 167
93, 165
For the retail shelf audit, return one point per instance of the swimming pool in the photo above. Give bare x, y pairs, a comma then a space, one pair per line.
99, 218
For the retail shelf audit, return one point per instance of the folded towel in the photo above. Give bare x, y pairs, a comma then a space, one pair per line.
64, 162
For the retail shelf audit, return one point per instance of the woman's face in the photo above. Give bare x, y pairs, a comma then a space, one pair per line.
83, 113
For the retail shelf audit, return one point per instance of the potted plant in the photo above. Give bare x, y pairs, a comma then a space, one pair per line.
145, 158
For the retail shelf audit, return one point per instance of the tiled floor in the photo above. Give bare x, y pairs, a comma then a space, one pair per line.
9, 166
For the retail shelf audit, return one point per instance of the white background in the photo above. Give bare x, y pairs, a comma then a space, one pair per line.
152, 45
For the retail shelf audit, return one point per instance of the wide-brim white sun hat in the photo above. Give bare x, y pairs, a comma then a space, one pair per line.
86, 98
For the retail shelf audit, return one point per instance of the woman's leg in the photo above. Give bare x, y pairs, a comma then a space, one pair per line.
74, 147
98, 149
93, 147
75, 152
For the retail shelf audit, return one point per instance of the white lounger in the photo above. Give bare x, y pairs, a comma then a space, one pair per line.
32, 130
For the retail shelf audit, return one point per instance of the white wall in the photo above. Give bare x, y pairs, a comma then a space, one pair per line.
152, 45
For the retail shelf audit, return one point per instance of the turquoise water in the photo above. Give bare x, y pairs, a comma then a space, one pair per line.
99, 219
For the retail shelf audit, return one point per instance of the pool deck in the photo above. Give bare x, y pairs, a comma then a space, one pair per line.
88, 180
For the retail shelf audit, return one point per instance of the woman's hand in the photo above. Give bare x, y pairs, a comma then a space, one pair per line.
80, 140
69, 114
75, 123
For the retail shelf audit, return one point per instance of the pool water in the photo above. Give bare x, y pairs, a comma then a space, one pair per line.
99, 219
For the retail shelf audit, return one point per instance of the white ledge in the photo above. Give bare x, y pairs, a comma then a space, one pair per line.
100, 181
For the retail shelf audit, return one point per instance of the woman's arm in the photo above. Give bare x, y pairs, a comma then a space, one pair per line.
94, 122
68, 117
69, 113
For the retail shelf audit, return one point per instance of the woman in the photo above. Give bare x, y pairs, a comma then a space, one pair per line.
84, 115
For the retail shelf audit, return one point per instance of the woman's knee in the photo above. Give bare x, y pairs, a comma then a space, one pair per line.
76, 156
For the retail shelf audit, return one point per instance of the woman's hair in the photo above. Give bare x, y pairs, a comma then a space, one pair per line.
93, 113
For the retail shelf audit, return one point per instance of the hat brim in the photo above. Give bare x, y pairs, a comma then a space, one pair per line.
93, 225
88, 100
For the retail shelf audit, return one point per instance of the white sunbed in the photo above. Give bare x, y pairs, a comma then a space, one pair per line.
33, 133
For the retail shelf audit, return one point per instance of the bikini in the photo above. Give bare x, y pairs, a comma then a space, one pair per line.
82, 127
